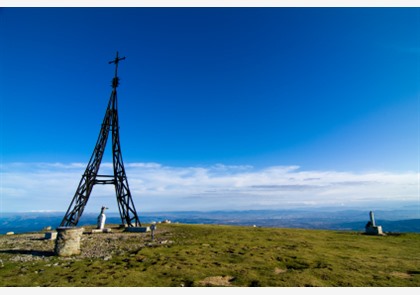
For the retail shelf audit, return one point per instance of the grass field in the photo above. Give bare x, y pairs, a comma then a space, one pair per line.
215, 255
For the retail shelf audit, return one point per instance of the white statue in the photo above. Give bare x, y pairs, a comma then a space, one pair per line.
102, 218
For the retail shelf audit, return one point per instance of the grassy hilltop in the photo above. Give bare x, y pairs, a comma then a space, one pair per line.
214, 255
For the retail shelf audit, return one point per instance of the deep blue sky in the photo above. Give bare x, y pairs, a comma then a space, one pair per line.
317, 87
321, 88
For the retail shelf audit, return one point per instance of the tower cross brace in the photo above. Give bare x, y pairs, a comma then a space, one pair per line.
91, 177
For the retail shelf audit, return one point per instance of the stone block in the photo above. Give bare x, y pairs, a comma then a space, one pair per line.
104, 230
141, 229
68, 241
374, 230
50, 236
96, 231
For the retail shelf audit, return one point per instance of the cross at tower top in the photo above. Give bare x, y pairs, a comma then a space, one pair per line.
115, 81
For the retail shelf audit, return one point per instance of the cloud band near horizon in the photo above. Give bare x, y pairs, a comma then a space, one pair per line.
156, 187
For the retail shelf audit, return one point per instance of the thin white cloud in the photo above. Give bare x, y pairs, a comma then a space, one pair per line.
156, 187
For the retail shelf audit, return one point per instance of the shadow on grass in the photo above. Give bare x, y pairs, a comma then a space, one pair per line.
29, 252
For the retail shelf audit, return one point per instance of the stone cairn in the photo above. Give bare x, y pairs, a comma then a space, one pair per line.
68, 241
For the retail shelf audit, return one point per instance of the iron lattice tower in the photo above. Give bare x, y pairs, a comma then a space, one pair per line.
126, 206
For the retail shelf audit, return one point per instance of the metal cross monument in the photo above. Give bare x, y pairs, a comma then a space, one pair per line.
126, 206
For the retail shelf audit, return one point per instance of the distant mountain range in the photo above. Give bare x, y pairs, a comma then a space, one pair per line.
350, 220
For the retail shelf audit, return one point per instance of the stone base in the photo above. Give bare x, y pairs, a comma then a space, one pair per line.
104, 230
50, 236
374, 230
141, 229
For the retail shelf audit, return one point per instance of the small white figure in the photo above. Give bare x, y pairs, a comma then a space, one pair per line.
102, 218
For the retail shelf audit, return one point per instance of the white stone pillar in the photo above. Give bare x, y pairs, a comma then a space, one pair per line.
372, 218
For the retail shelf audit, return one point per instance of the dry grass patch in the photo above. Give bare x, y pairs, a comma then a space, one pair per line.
279, 270
217, 281
401, 275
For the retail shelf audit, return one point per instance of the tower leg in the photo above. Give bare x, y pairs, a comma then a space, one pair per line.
81, 197
126, 206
